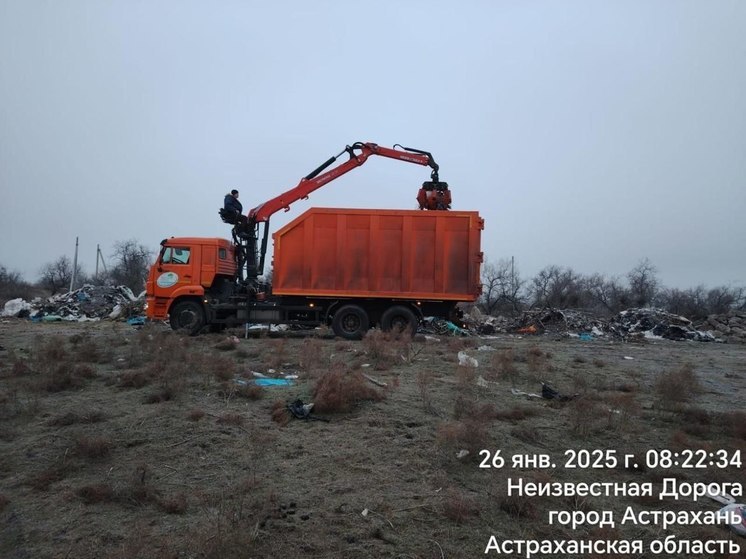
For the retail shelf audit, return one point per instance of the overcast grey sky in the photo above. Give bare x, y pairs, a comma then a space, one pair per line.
589, 134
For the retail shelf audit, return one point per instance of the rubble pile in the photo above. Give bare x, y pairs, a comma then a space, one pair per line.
648, 323
731, 327
90, 302
656, 323
558, 322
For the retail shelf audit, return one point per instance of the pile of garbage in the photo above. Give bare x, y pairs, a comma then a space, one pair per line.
536, 321
632, 324
730, 326
656, 323
90, 302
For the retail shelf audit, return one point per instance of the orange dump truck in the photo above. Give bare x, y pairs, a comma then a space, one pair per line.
351, 269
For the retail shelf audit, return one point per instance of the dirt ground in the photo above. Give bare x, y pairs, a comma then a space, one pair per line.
124, 442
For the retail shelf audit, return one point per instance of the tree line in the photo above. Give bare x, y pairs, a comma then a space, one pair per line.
505, 291
130, 263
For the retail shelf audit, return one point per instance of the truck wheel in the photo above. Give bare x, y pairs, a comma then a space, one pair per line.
188, 316
350, 322
399, 319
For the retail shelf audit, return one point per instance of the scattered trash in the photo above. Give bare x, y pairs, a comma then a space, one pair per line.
484, 383
462, 453
136, 321
375, 381
628, 358
273, 382
516, 392
16, 307
738, 510
465, 361
90, 302
634, 323
549, 393
486, 348
656, 323
299, 410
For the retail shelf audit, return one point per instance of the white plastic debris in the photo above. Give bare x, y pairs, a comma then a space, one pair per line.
14, 307
462, 453
486, 348
116, 311
628, 358
465, 361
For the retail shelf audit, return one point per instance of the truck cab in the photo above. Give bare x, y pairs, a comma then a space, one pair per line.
188, 270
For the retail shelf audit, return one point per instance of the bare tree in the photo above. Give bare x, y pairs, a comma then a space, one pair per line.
502, 287
132, 261
643, 283
56, 276
607, 295
557, 287
12, 285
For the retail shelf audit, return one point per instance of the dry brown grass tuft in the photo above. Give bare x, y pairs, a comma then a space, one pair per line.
173, 504
93, 448
50, 350
230, 418
424, 381
95, 493
676, 387
459, 507
228, 344
467, 407
250, 391
339, 390
516, 413
65, 376
195, 414
587, 416
527, 433
86, 348
518, 507
313, 354
40, 481
276, 353
133, 379
385, 349
280, 413
468, 435
503, 365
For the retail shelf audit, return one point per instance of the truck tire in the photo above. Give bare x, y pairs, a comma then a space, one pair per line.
399, 318
350, 322
187, 316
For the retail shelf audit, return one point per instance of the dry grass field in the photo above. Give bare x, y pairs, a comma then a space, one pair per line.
125, 443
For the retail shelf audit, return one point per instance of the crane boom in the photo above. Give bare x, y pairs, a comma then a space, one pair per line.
433, 195
359, 153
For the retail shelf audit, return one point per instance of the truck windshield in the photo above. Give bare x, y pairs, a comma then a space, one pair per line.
173, 255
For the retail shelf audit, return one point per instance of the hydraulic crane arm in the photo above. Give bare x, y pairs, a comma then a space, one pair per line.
250, 254
359, 153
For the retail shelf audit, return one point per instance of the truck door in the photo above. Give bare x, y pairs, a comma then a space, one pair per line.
175, 269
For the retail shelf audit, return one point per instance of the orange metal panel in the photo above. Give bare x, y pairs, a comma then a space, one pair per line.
411, 254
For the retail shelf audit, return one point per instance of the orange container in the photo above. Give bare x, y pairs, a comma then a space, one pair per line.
399, 254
